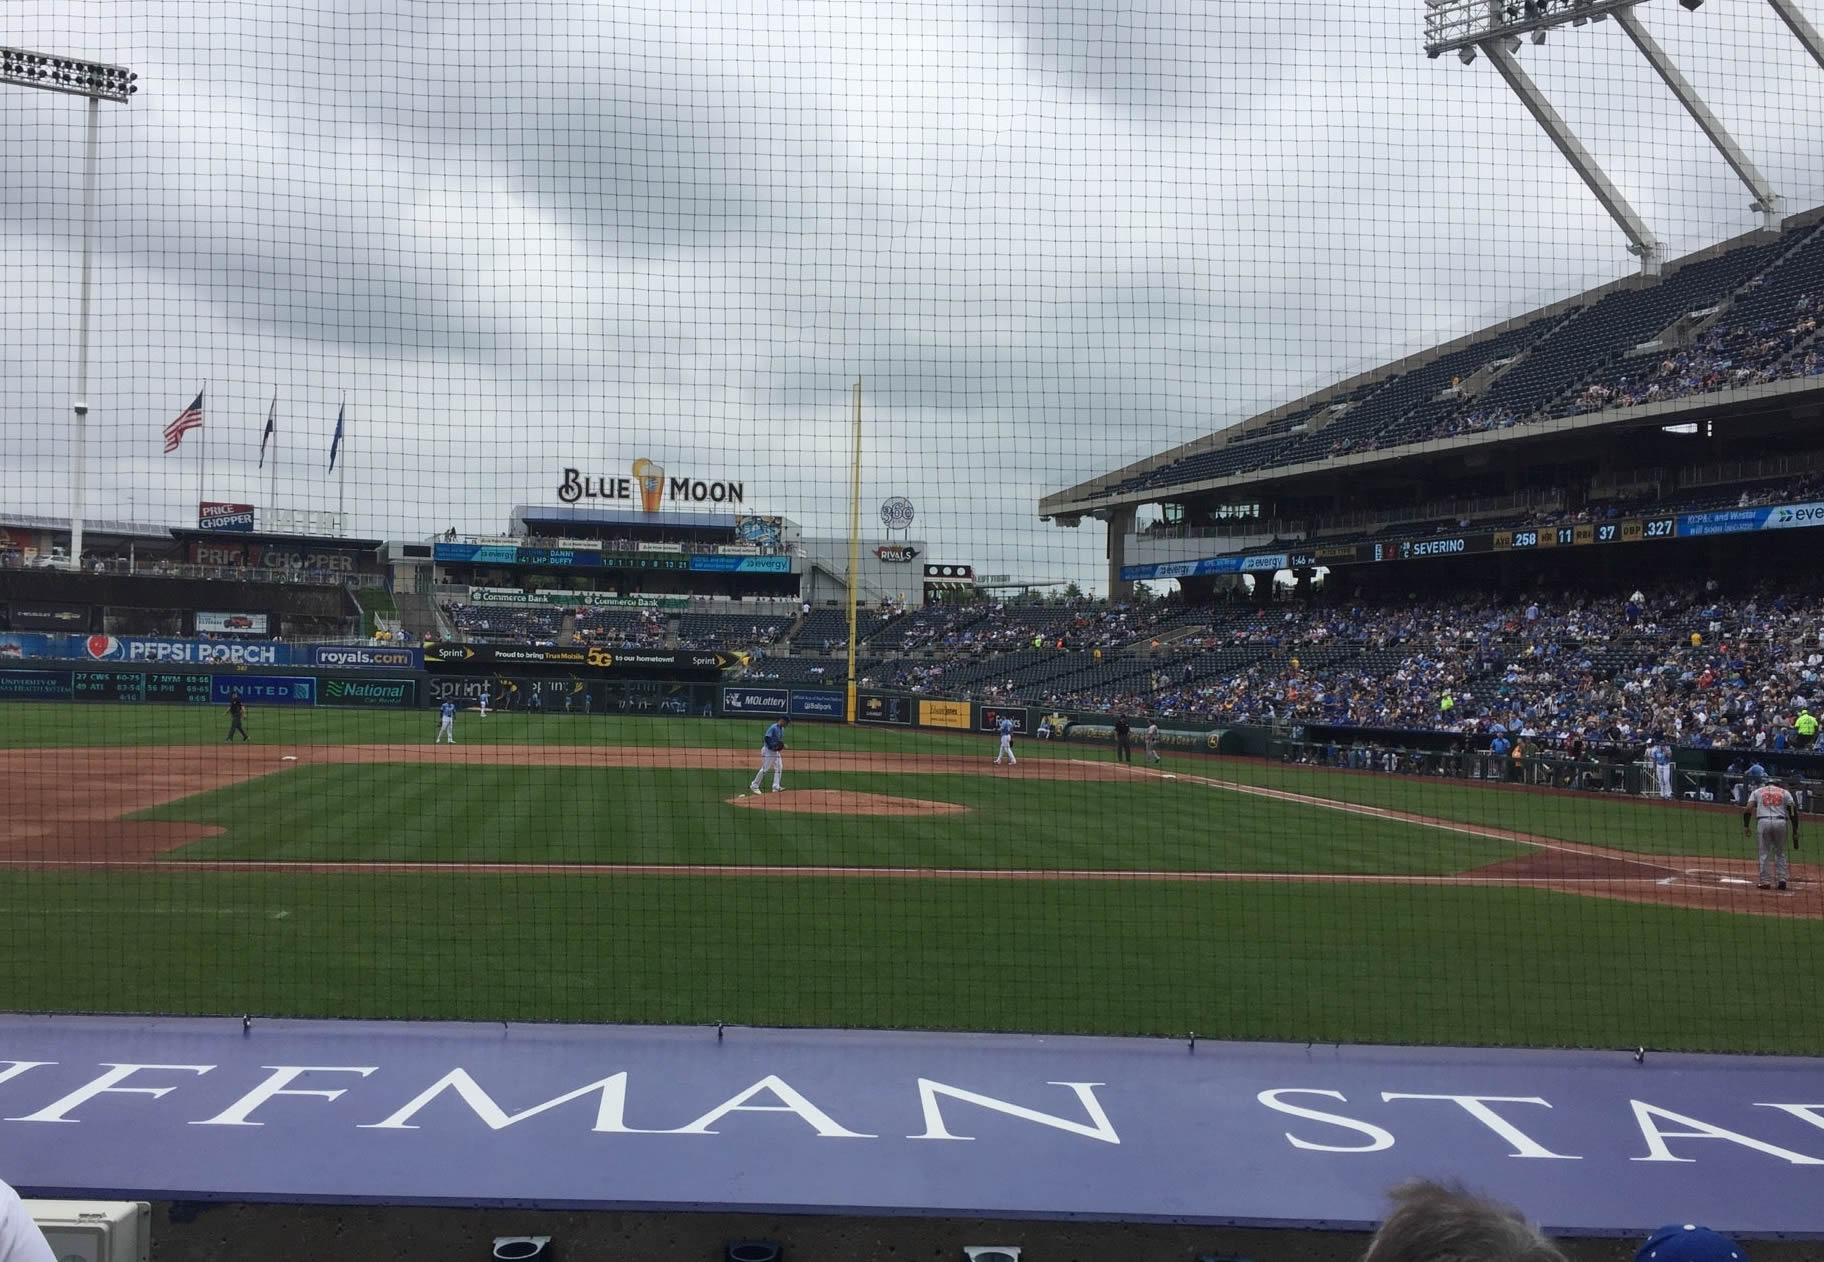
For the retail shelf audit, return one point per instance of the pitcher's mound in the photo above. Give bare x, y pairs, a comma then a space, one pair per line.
844, 802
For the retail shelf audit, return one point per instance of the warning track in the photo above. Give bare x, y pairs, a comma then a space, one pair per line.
62, 821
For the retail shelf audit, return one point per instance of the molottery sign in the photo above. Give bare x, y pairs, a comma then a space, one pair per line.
649, 485
855, 1121
774, 701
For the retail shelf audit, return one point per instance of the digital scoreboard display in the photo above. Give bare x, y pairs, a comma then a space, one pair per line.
103, 685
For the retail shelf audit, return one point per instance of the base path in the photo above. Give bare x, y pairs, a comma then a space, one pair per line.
66, 808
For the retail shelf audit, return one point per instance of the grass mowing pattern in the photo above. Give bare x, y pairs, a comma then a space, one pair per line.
481, 814
1288, 960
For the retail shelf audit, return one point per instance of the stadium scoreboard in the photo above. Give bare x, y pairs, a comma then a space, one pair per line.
103, 685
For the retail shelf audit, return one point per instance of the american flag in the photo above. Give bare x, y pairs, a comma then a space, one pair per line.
272, 429
188, 419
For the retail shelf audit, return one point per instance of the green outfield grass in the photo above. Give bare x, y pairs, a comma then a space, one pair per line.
632, 815
1284, 960
1282, 957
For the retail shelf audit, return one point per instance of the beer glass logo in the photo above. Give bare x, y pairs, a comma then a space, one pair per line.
652, 483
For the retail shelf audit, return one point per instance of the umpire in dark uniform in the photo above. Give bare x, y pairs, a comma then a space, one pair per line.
237, 717
1124, 739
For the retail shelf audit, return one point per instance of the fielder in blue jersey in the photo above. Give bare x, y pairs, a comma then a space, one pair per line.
1005, 727
772, 756
446, 723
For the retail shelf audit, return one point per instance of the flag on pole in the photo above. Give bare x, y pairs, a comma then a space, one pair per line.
272, 429
335, 444
188, 419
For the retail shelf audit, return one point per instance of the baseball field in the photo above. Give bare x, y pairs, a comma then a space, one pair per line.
617, 870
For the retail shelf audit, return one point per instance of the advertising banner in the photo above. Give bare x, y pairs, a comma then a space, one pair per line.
475, 553
643, 546
501, 596
35, 685
38, 615
211, 515
231, 623
16, 645
264, 689
228, 554
741, 565
877, 707
108, 648
369, 692
953, 714
362, 657
1103, 733
737, 550
988, 718
819, 705
773, 701
482, 657
597, 600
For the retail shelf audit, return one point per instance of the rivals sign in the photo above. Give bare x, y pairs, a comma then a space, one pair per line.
896, 552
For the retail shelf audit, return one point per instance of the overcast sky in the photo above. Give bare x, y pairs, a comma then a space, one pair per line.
1052, 238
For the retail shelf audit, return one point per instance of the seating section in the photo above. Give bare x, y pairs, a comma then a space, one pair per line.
507, 624
1577, 360
730, 631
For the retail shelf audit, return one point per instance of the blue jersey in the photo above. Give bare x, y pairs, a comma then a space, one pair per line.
1006, 727
775, 737
447, 710
1661, 755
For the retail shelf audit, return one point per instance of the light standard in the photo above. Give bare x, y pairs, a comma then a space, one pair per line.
98, 83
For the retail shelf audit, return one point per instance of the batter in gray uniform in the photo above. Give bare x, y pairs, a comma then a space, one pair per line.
1776, 818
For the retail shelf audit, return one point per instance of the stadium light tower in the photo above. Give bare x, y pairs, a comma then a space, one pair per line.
1494, 28
97, 82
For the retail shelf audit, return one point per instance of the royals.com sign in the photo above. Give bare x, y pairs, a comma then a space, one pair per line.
361, 657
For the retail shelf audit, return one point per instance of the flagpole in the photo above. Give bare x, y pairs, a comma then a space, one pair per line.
204, 426
342, 466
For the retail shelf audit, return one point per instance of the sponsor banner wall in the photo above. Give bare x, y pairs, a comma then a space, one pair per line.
109, 648
232, 623
643, 546
36, 685
363, 657
38, 615
225, 553
770, 701
259, 690
741, 565
988, 718
880, 707
1102, 732
566, 596
368, 692
819, 705
952, 714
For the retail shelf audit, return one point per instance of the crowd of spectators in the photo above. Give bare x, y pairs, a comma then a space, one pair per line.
509, 625
1724, 357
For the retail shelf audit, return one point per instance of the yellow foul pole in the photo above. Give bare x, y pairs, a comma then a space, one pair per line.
854, 544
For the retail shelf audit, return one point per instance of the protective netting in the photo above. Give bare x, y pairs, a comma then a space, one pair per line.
1399, 598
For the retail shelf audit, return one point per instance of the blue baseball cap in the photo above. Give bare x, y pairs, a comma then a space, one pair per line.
1684, 1242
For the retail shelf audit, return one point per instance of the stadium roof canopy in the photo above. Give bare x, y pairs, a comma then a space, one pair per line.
264, 536
526, 516
1517, 381
125, 529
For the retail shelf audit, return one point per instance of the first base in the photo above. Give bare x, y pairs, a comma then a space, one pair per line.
288, 757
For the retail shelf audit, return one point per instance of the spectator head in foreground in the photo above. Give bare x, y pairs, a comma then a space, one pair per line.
1684, 1242
1433, 1222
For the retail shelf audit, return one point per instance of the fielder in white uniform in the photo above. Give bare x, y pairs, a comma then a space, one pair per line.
485, 698
1776, 816
1152, 742
1005, 727
446, 723
1660, 755
772, 756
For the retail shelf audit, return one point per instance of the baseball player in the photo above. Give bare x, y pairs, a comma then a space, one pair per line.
772, 755
1660, 755
1005, 728
1776, 817
446, 723
486, 697
237, 717
1151, 737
